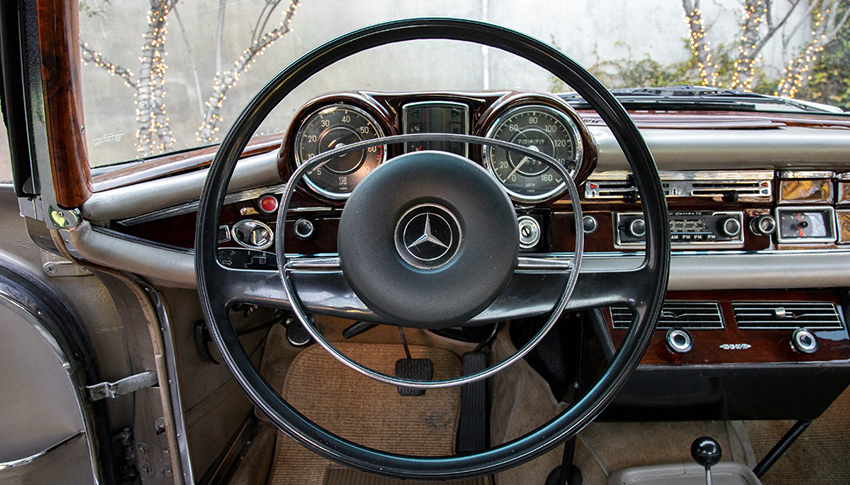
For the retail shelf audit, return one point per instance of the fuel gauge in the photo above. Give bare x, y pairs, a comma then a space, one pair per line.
806, 224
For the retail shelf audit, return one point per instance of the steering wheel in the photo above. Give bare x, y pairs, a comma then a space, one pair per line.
379, 275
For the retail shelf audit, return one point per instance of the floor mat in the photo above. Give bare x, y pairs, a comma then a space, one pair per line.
363, 410
347, 476
818, 456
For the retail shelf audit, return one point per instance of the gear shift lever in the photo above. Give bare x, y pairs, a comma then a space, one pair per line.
706, 452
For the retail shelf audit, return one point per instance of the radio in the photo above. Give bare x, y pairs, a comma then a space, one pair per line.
688, 229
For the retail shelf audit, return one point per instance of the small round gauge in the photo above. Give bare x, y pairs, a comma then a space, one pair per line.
539, 128
333, 127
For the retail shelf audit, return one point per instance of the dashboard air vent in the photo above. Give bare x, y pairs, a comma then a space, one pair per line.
692, 315
745, 185
786, 315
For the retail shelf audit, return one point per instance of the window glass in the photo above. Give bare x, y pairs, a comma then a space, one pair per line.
175, 76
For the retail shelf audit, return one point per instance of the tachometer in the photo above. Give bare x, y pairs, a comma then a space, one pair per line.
333, 127
539, 128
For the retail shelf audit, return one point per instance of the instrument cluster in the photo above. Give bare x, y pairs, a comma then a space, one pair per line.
539, 122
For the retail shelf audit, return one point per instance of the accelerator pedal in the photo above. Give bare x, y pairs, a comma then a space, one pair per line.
472, 425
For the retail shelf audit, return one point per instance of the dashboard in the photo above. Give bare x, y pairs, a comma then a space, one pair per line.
746, 194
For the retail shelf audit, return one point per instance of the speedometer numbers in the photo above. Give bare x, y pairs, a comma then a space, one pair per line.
333, 127
541, 129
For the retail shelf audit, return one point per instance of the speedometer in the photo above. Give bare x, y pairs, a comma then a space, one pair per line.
542, 129
333, 127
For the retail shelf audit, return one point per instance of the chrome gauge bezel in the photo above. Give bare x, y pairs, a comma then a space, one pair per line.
571, 126
829, 223
379, 130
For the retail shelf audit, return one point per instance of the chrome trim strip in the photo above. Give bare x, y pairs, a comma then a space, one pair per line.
41, 454
173, 385
806, 174
143, 198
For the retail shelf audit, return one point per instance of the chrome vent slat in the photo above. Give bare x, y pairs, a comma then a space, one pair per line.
687, 315
787, 315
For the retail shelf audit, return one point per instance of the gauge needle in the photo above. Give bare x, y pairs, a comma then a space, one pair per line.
800, 224
522, 162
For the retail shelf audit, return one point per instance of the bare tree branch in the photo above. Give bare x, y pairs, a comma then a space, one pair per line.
226, 80
826, 25
89, 55
191, 61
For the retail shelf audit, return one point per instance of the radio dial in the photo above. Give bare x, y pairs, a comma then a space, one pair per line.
731, 227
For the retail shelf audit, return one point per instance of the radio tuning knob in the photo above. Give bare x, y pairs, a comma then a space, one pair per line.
731, 227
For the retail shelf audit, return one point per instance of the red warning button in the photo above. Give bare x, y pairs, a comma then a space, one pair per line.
267, 204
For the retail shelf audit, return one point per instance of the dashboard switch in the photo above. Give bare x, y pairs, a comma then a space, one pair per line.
763, 225
679, 341
252, 234
529, 232
589, 224
637, 228
267, 204
304, 229
804, 341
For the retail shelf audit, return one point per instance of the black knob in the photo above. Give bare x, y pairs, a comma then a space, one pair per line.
637, 228
731, 227
706, 451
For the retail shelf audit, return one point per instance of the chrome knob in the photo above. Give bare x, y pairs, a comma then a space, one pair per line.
763, 225
731, 227
679, 341
637, 228
804, 341
304, 229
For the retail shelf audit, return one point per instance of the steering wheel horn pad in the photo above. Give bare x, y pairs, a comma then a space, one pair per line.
428, 240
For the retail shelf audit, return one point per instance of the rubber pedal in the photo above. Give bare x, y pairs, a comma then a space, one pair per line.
417, 369
472, 425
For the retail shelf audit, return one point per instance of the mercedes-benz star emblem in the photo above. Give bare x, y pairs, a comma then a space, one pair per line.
427, 236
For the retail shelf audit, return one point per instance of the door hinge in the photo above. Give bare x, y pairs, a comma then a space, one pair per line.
126, 385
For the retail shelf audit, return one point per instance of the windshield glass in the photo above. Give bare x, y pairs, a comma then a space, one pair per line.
162, 76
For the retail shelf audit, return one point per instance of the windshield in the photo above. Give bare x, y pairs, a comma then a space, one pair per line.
162, 76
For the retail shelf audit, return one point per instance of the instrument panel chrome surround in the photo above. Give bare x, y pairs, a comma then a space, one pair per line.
736, 243
434, 103
574, 132
833, 226
295, 156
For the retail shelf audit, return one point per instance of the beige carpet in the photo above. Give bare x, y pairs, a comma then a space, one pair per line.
363, 410
819, 456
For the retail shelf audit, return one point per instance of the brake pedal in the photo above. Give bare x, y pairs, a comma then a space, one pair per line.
415, 369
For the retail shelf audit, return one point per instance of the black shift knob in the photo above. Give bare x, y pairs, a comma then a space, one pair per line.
706, 451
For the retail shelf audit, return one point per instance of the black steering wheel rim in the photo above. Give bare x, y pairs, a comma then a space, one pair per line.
568, 423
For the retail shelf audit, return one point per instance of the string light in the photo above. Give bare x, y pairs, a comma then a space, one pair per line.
755, 15
796, 72
224, 81
701, 48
